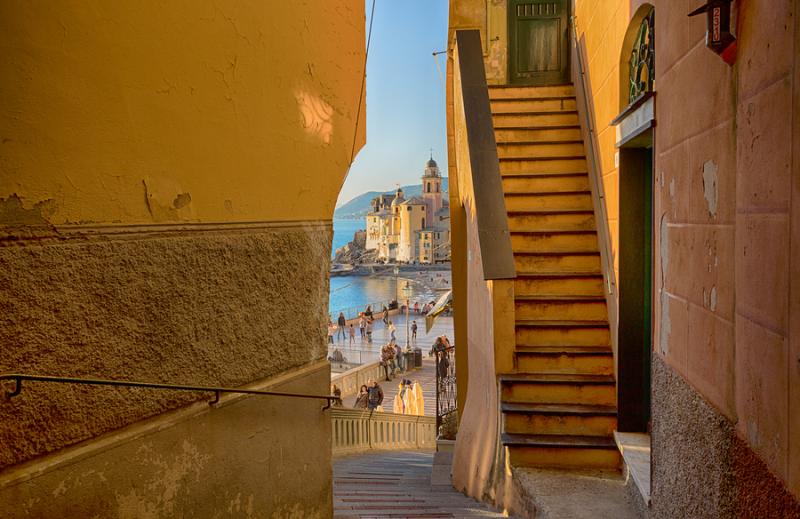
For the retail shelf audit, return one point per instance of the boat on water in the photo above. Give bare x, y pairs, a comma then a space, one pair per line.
341, 269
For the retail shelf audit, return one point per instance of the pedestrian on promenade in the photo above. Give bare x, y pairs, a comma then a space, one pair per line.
335, 391
375, 396
392, 331
369, 331
352, 331
385, 315
368, 312
342, 326
362, 324
331, 331
387, 360
416, 307
398, 354
362, 400
413, 330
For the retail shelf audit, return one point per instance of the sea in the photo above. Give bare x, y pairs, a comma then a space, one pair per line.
351, 294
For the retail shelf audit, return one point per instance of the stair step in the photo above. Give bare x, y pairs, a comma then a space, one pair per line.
586, 361
559, 419
521, 202
554, 241
559, 388
559, 409
548, 298
544, 221
542, 166
528, 119
546, 335
545, 183
557, 261
558, 440
551, 309
571, 284
597, 349
536, 104
530, 92
538, 134
566, 323
540, 149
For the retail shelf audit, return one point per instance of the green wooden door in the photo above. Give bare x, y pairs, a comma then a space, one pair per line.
538, 42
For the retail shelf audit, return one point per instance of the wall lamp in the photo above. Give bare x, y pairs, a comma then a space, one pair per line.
719, 37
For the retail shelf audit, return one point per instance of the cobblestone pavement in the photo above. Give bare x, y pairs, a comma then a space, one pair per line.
396, 485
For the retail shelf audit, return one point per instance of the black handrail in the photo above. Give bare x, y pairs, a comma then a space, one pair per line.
19, 377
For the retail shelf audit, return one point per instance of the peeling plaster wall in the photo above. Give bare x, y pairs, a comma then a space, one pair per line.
115, 111
727, 153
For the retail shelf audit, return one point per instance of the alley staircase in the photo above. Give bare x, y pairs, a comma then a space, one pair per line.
559, 403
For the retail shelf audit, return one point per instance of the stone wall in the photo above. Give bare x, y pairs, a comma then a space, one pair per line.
693, 442
214, 306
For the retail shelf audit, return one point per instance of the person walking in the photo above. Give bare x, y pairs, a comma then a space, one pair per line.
392, 331
414, 331
385, 315
362, 400
416, 307
374, 396
342, 327
387, 360
352, 331
398, 354
369, 331
331, 331
362, 324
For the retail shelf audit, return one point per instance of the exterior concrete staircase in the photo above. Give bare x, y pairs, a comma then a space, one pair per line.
558, 404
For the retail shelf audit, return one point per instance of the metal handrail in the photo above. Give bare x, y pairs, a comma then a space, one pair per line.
19, 377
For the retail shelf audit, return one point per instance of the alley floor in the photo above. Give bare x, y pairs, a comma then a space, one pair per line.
396, 485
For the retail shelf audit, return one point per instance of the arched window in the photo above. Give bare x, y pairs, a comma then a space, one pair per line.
428, 187
642, 60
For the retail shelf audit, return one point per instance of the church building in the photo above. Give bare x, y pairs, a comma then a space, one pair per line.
413, 230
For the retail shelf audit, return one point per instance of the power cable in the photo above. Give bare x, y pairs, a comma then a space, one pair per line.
361, 91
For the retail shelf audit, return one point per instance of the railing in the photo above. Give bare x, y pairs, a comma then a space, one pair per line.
351, 380
19, 377
353, 312
445, 385
596, 184
480, 183
353, 355
356, 430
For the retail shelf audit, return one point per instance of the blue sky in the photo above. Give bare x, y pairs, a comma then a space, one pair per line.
405, 96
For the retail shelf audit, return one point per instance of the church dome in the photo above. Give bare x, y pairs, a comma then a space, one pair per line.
431, 163
398, 197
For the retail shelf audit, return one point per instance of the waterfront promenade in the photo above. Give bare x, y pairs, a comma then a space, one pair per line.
425, 376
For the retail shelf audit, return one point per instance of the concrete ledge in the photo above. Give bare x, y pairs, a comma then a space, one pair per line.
635, 450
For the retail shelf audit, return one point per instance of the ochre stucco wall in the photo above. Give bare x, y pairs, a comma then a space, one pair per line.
168, 173
184, 111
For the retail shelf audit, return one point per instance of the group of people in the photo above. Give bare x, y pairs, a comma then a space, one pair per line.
370, 396
344, 331
393, 358
408, 400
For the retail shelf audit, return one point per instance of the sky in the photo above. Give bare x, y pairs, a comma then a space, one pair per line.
405, 96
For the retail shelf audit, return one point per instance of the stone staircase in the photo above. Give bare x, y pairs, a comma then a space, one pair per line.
558, 404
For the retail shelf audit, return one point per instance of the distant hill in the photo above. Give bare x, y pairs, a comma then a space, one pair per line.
359, 206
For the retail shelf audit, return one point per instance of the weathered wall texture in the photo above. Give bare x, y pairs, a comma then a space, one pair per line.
726, 167
167, 177
693, 442
241, 458
215, 307
190, 110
